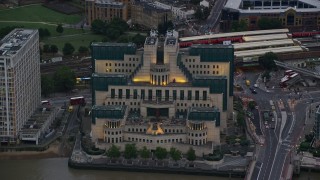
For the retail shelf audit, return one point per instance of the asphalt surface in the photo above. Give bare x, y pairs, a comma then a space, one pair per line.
214, 17
273, 158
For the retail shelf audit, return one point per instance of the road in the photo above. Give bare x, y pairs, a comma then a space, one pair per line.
274, 157
214, 17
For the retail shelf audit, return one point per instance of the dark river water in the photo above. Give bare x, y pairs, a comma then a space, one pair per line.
57, 169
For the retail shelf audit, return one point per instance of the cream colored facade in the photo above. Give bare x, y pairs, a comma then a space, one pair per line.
149, 15
106, 10
159, 98
20, 83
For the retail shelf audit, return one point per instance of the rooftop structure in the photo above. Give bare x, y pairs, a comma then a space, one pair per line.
12, 43
37, 126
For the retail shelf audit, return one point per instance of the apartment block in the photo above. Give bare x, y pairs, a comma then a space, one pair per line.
20, 83
106, 10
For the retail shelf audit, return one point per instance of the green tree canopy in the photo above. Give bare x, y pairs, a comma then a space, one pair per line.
113, 151
124, 38
83, 50
59, 28
6, 30
195, 2
175, 154
46, 48
130, 151
138, 39
269, 23
54, 49
163, 27
44, 32
252, 105
161, 153
144, 152
267, 61
238, 26
240, 119
191, 154
64, 79
68, 49
47, 85
98, 26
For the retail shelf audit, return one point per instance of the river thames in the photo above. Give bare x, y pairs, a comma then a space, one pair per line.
57, 169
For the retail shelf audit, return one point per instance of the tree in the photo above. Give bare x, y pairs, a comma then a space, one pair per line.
54, 49
195, 2
145, 153
130, 151
198, 13
206, 13
46, 48
191, 154
252, 105
238, 26
269, 23
161, 153
59, 28
64, 79
47, 85
83, 50
43, 32
98, 26
138, 39
68, 49
267, 61
113, 151
6, 30
240, 119
175, 154
124, 39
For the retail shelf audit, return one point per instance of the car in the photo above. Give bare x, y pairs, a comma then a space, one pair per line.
266, 123
253, 91
272, 119
255, 85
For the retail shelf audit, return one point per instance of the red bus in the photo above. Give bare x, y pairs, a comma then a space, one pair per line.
288, 72
77, 101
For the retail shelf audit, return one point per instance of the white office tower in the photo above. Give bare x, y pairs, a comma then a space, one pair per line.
20, 81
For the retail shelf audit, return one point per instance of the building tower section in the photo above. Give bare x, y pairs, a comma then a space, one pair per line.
161, 95
20, 89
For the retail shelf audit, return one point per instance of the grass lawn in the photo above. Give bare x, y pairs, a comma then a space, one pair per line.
51, 28
37, 13
76, 40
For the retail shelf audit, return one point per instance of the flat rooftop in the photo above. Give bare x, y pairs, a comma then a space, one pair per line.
263, 44
36, 121
110, 107
108, 2
171, 41
234, 34
260, 52
151, 40
235, 5
112, 44
108, 75
265, 37
203, 109
15, 40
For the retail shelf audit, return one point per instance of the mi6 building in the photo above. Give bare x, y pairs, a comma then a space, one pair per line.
161, 95
20, 90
